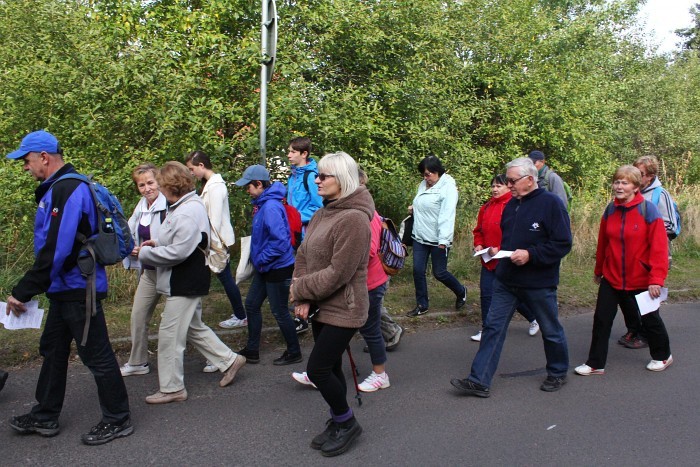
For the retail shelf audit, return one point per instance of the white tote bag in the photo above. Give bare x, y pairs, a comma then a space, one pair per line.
245, 270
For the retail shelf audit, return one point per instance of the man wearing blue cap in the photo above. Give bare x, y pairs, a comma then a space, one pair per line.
64, 210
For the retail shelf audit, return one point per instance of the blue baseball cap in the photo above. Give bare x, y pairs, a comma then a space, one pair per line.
37, 141
536, 155
254, 172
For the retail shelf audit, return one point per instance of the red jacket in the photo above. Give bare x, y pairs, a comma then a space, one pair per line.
487, 232
375, 271
632, 249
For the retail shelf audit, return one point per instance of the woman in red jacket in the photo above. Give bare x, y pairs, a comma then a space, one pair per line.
487, 234
632, 257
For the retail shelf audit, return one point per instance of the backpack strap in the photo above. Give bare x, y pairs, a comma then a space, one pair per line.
305, 180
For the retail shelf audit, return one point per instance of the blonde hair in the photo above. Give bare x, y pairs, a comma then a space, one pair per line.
629, 173
176, 178
650, 163
343, 168
142, 169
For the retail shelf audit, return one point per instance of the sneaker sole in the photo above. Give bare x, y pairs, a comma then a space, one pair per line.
208, 369
668, 364
288, 362
122, 434
136, 373
552, 388
341, 450
305, 383
45, 432
373, 389
596, 372
473, 392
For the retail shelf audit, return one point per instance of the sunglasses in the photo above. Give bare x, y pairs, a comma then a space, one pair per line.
323, 177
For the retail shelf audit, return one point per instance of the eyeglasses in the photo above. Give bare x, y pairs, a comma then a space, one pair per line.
513, 181
323, 177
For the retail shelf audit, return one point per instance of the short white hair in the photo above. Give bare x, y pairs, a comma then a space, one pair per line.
525, 167
344, 168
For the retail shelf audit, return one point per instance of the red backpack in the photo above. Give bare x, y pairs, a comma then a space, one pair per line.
294, 221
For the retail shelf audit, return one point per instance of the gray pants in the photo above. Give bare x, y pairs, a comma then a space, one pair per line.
388, 326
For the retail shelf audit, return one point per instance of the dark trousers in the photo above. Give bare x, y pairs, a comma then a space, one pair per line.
232, 291
605, 311
64, 323
325, 365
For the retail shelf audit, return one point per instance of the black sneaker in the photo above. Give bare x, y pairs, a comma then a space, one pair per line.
301, 325
462, 300
627, 337
470, 387
553, 383
637, 342
417, 311
251, 356
287, 359
321, 438
105, 432
27, 424
341, 437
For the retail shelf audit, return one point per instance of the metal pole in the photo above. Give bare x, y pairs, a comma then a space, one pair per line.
263, 83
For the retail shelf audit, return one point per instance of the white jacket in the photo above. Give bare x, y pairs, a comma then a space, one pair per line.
215, 197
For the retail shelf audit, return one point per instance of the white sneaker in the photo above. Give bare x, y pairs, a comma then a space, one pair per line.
477, 337
374, 382
303, 379
585, 370
210, 368
659, 365
534, 328
233, 322
129, 370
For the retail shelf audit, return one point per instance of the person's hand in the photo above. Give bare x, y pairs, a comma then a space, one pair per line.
442, 247
654, 291
410, 209
597, 279
291, 291
135, 251
302, 310
493, 250
520, 257
148, 243
14, 306
478, 248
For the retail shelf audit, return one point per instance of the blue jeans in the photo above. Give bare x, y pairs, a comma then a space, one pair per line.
277, 294
371, 331
232, 291
543, 303
486, 294
438, 256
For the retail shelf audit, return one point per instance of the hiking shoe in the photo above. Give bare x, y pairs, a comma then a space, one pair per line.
303, 378
476, 337
105, 432
301, 325
167, 397
627, 337
417, 311
340, 439
461, 300
659, 365
130, 370
27, 424
234, 322
534, 328
470, 387
553, 383
373, 382
585, 370
230, 373
209, 368
288, 358
637, 342
320, 439
394, 342
251, 356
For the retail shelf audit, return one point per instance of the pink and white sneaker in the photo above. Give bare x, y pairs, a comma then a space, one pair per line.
303, 378
374, 382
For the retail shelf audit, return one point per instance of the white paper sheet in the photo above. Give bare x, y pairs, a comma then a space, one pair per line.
487, 257
647, 304
30, 319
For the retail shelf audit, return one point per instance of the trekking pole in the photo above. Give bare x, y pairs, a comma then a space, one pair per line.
354, 376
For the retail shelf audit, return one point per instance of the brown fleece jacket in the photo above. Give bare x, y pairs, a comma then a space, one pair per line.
331, 264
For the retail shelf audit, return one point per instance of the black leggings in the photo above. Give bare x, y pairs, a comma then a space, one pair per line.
325, 364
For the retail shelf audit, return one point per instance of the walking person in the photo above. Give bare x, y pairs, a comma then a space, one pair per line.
434, 209
144, 224
331, 272
536, 228
487, 234
65, 209
272, 256
184, 278
630, 259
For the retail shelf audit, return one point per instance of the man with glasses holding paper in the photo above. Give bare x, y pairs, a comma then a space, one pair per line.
536, 228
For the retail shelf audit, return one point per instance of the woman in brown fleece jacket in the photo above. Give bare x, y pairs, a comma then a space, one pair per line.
331, 271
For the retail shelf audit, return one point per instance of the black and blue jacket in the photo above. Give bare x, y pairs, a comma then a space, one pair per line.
537, 222
64, 209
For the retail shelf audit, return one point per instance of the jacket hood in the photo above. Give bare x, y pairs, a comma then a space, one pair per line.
444, 181
359, 199
192, 195
503, 199
655, 184
275, 191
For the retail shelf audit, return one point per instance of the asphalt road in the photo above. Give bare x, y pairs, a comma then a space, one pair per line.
628, 417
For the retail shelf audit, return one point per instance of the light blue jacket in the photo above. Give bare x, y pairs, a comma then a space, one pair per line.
307, 201
434, 211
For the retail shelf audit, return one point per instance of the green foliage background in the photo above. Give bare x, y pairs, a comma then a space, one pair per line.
476, 83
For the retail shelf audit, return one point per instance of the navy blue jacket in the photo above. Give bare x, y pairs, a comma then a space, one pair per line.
64, 209
538, 223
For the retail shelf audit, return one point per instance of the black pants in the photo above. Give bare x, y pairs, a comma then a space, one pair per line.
605, 311
65, 323
325, 365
